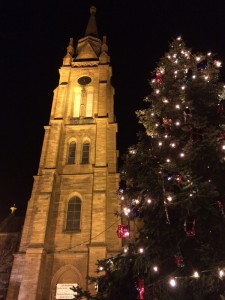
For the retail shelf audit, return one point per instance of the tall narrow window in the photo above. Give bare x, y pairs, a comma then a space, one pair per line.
85, 153
73, 214
77, 101
89, 104
71, 153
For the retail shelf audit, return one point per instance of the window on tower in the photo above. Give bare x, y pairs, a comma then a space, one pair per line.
85, 153
73, 214
71, 153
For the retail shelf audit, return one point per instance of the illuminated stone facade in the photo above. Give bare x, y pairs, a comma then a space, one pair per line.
70, 221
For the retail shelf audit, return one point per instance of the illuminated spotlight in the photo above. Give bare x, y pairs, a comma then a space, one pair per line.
196, 274
173, 282
155, 268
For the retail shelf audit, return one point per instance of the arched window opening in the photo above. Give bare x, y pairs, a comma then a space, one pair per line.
73, 214
85, 153
71, 153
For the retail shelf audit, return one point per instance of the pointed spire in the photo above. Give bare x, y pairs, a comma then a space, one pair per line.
92, 27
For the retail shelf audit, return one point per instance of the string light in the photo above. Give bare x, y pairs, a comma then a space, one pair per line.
221, 273
155, 268
173, 282
196, 274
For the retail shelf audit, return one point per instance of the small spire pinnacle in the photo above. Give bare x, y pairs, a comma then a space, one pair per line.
92, 27
70, 48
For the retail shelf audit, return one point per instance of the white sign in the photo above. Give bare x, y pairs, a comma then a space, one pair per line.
63, 291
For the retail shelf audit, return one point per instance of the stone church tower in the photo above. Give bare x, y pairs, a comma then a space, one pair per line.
70, 221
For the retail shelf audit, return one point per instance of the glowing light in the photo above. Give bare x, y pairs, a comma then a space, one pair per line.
155, 268
194, 76
160, 144
152, 114
126, 211
125, 250
157, 91
198, 58
165, 100
221, 273
141, 250
209, 53
122, 197
177, 106
173, 282
166, 136
156, 125
191, 195
149, 200
183, 87
101, 268
196, 274
223, 147
168, 160
179, 38
182, 154
169, 198
206, 77
217, 63
177, 123
173, 145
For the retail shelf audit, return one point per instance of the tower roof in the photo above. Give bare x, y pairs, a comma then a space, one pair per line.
91, 26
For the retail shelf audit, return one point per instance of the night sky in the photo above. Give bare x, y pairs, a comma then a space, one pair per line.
33, 40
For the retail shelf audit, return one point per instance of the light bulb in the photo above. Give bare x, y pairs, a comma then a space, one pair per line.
149, 200
141, 250
221, 273
196, 274
173, 282
155, 268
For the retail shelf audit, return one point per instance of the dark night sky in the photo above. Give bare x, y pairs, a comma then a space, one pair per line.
33, 41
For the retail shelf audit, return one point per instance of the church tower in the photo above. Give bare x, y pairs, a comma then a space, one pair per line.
70, 221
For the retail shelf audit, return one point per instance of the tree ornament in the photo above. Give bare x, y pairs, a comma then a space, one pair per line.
179, 260
188, 77
141, 289
158, 76
123, 231
167, 125
187, 114
189, 226
135, 211
202, 65
220, 206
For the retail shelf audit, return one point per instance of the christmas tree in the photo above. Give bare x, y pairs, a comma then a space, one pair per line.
172, 189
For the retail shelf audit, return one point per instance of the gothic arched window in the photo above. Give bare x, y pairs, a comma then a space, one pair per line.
85, 153
71, 153
73, 214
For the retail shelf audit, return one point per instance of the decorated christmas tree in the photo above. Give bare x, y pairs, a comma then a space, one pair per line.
172, 189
